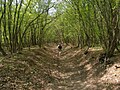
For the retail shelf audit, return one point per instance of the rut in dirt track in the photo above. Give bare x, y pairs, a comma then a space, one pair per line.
45, 69
77, 71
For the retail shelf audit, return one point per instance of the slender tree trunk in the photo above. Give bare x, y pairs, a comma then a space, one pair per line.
2, 51
9, 25
115, 29
5, 26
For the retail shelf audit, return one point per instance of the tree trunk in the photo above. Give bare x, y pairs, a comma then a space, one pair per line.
2, 51
115, 28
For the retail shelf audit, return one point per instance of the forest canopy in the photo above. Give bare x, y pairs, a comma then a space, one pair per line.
25, 23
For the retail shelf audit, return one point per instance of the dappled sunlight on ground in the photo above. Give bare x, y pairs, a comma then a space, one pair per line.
45, 69
95, 49
112, 75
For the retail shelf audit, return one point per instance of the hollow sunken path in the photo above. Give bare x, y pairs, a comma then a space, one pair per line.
47, 69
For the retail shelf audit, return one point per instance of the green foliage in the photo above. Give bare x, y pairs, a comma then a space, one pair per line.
84, 22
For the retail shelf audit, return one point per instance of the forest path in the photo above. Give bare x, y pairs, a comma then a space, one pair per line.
45, 69
78, 71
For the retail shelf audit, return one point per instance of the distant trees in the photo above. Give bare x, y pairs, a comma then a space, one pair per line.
1, 17
23, 22
95, 22
109, 11
106, 14
81, 22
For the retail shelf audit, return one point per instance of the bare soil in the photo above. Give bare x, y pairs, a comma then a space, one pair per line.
50, 69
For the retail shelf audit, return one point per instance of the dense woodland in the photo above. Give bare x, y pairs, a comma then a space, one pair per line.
91, 23
30, 31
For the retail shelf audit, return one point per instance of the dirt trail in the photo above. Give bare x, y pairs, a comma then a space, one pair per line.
45, 69
83, 72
